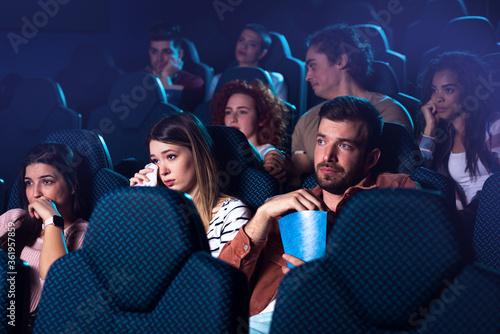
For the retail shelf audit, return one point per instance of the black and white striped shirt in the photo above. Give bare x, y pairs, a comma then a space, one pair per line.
232, 215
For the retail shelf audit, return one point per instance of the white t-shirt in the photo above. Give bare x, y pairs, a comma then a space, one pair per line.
456, 166
264, 149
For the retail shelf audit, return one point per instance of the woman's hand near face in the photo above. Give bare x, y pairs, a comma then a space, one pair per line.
140, 177
429, 111
43, 208
54, 245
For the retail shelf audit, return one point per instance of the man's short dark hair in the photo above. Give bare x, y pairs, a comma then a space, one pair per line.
263, 33
340, 39
162, 31
352, 108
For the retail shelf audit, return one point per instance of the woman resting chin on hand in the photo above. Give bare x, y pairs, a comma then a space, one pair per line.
53, 212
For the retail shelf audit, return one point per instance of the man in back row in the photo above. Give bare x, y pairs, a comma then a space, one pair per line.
338, 64
183, 89
347, 148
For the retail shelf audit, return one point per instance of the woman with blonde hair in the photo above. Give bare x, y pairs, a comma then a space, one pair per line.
182, 160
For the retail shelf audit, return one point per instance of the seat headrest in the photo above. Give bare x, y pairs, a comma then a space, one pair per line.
190, 52
133, 97
8, 85
487, 227
147, 235
279, 49
373, 35
399, 152
88, 62
471, 33
389, 243
231, 146
247, 74
35, 100
383, 79
89, 148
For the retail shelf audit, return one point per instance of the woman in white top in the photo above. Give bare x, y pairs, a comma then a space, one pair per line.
462, 132
52, 219
253, 109
251, 47
180, 149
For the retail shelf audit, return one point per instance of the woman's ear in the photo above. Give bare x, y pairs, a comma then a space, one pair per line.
73, 191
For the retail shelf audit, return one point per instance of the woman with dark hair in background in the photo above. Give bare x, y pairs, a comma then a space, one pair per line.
461, 138
51, 221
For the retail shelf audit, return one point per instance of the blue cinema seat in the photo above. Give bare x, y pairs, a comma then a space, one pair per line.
486, 239
375, 36
474, 34
240, 171
38, 108
87, 79
193, 64
393, 264
279, 59
145, 267
136, 102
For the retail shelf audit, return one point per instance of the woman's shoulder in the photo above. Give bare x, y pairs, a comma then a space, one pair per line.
11, 215
79, 226
231, 201
231, 207
7, 218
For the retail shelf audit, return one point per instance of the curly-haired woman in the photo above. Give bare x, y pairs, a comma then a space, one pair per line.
253, 109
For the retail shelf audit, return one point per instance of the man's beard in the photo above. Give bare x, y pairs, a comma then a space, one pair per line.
337, 184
